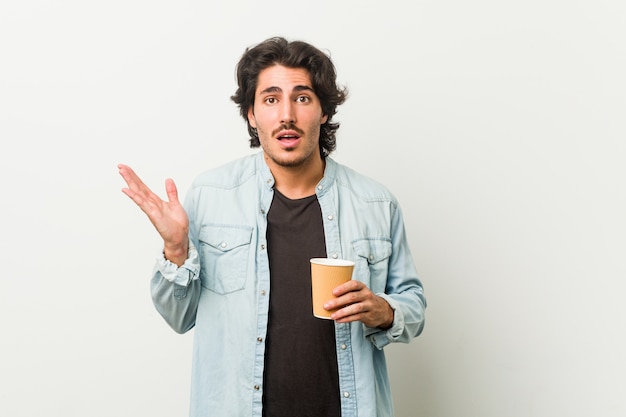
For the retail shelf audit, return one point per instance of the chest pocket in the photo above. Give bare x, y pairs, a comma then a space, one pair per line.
224, 255
372, 262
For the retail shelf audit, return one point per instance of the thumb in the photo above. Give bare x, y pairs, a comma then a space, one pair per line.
171, 190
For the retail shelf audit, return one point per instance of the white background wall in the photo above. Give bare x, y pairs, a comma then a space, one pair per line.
500, 126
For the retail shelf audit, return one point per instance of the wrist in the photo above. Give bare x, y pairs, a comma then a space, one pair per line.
176, 254
388, 322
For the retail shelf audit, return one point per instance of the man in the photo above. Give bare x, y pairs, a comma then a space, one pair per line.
235, 264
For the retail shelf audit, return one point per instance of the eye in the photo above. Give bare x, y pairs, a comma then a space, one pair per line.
303, 99
270, 100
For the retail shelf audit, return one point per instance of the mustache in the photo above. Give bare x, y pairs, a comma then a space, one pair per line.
288, 126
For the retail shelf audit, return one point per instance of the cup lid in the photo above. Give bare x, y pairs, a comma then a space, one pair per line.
331, 262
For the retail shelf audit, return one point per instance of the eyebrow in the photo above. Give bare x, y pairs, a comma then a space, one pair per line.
297, 88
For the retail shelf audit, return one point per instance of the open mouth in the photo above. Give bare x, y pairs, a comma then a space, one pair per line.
288, 137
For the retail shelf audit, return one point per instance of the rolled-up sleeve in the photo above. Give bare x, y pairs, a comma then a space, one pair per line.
403, 292
176, 290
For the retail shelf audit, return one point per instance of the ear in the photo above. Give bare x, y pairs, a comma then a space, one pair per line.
251, 118
324, 119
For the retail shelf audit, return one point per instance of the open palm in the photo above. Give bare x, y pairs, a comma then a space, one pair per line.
168, 217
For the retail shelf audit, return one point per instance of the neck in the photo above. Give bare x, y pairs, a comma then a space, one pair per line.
297, 181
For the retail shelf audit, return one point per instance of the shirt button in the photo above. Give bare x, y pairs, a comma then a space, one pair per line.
330, 217
262, 292
343, 346
335, 256
259, 339
319, 187
262, 211
371, 257
346, 394
256, 388
262, 247
223, 244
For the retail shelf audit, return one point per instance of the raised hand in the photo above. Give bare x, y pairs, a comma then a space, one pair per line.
168, 217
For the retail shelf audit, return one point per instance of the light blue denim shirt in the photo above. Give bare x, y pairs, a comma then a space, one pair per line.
222, 290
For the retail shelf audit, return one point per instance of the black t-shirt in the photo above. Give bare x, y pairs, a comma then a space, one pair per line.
301, 377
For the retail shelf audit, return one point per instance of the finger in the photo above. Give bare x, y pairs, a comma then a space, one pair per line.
353, 312
132, 179
139, 192
139, 199
171, 190
344, 300
142, 196
352, 285
125, 171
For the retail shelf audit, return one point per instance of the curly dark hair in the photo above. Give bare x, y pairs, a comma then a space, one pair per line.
294, 54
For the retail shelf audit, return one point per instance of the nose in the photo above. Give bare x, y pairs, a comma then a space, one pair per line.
288, 114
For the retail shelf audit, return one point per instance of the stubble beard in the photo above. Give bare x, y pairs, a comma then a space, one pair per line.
287, 162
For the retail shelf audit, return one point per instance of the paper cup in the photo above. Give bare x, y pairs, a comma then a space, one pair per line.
326, 274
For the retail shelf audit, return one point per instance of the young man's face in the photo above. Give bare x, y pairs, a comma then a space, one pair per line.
287, 115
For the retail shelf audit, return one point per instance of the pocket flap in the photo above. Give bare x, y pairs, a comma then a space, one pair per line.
374, 249
225, 237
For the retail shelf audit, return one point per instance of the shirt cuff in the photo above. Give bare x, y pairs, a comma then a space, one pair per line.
184, 274
381, 338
